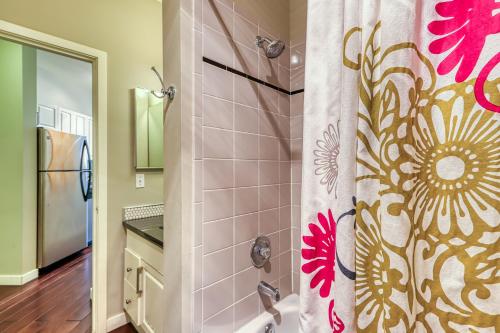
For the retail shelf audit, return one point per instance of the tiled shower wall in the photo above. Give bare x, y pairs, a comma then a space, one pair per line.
242, 160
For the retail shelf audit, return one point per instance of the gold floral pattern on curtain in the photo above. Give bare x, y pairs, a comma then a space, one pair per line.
428, 179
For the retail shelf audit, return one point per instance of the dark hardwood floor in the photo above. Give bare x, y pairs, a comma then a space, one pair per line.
125, 329
57, 302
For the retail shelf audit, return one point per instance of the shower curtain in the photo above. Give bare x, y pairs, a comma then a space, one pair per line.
401, 167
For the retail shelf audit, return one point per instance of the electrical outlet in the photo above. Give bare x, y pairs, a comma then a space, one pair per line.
139, 180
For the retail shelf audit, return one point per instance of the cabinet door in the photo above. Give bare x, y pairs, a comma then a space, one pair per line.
152, 306
132, 264
65, 122
131, 303
47, 116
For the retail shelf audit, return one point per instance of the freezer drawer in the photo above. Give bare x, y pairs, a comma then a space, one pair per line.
62, 216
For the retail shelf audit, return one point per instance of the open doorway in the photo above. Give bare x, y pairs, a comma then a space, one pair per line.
46, 136
53, 266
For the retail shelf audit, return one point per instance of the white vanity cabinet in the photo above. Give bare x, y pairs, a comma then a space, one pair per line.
152, 300
143, 283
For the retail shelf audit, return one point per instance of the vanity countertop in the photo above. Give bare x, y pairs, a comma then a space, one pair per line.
150, 228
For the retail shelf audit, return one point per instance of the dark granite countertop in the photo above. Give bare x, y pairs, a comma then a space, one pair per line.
150, 228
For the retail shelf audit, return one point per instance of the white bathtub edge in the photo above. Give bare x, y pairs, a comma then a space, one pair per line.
288, 304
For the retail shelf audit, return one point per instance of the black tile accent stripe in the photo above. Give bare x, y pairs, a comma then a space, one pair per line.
296, 92
249, 77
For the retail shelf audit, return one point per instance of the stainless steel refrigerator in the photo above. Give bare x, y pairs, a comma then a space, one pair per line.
64, 183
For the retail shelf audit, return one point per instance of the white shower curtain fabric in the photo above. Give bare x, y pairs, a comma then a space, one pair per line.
401, 167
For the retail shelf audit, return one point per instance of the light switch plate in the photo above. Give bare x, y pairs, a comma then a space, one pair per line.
139, 180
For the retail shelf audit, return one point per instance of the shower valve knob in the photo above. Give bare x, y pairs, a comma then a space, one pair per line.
261, 251
265, 252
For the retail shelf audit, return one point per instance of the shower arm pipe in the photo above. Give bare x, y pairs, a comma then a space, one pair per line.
261, 39
168, 92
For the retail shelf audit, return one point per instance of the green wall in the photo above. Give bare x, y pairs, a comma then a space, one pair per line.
11, 145
30, 177
18, 190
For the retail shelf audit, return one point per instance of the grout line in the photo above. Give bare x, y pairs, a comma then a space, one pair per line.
251, 133
250, 77
202, 180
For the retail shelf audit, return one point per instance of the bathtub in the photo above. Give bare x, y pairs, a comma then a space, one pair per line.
284, 316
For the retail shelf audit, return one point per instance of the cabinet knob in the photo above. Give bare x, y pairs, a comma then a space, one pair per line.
128, 301
129, 269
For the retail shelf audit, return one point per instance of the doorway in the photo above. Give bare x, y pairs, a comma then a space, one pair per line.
60, 125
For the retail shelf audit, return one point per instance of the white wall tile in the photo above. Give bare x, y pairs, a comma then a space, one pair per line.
269, 172
217, 82
246, 146
217, 204
246, 173
246, 200
217, 143
245, 283
246, 92
246, 310
220, 323
246, 119
217, 266
269, 197
217, 235
269, 222
217, 113
217, 174
217, 17
217, 297
246, 227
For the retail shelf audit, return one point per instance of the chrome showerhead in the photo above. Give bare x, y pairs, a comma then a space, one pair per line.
274, 47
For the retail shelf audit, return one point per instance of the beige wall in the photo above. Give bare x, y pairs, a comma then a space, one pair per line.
178, 63
130, 31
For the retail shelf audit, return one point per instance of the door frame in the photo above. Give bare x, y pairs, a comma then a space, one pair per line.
98, 59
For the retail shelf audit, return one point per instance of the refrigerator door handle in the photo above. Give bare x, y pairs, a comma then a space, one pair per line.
85, 151
85, 194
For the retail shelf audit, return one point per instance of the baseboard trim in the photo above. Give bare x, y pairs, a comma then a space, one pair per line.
18, 280
116, 321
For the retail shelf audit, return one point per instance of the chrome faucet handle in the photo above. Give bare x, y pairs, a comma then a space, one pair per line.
265, 252
260, 251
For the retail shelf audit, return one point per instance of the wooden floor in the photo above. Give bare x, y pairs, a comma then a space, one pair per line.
57, 302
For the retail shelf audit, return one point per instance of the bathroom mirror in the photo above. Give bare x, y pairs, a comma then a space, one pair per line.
148, 130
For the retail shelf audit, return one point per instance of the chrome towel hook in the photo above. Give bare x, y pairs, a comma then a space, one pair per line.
169, 92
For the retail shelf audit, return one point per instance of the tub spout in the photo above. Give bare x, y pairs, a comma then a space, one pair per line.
266, 289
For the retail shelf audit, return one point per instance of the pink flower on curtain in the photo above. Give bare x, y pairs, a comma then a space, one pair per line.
321, 253
335, 322
464, 29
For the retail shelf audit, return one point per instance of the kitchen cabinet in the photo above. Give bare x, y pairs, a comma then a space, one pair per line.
66, 121
143, 284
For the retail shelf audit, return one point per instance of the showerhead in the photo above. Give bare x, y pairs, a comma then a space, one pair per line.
274, 47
